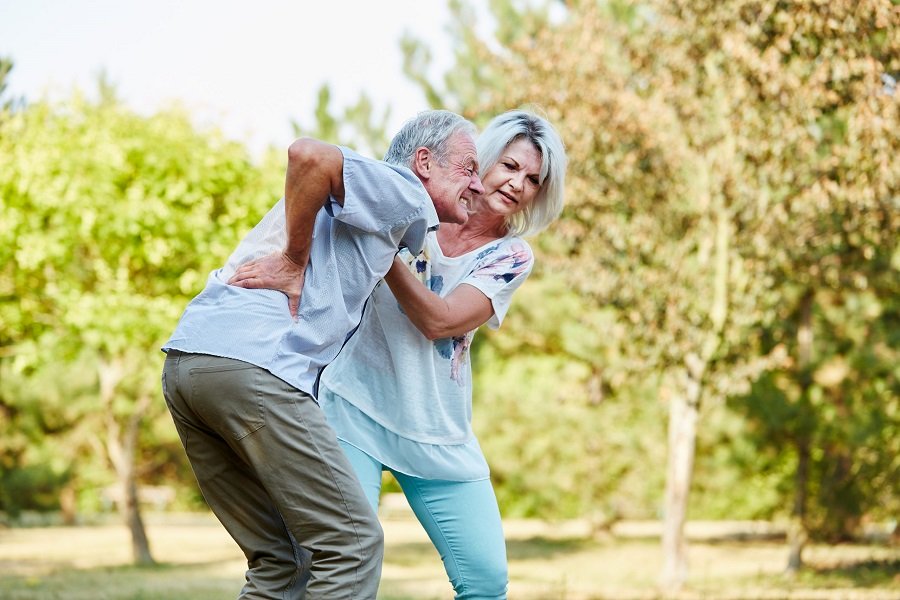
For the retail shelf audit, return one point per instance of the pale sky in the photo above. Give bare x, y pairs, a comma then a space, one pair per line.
246, 66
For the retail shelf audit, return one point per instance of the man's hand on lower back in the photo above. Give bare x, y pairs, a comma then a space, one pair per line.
273, 272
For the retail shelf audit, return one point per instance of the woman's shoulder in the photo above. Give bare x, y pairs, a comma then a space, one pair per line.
508, 259
506, 247
518, 244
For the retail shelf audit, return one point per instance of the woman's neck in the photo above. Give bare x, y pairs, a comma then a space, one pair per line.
456, 240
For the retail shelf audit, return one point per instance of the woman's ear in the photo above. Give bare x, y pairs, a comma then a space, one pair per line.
422, 162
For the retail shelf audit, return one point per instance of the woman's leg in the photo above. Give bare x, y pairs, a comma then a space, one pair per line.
463, 522
368, 471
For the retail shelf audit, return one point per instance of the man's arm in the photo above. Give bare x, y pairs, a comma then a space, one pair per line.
315, 171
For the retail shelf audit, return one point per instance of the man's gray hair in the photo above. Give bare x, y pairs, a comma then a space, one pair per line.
431, 129
516, 125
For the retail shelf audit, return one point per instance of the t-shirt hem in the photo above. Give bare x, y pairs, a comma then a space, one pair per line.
402, 472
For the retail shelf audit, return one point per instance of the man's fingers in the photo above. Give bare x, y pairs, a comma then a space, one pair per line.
244, 283
241, 273
272, 272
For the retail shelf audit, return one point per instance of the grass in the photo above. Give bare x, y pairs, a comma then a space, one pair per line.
547, 562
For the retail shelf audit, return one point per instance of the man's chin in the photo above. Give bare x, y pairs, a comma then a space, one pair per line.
458, 215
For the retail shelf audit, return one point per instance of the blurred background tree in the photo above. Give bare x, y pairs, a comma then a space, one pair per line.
732, 212
357, 125
111, 222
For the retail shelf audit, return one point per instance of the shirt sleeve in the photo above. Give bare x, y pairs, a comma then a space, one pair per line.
383, 198
498, 272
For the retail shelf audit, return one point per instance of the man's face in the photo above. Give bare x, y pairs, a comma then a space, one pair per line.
451, 184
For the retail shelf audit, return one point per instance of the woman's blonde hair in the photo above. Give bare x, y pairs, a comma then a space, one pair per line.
510, 127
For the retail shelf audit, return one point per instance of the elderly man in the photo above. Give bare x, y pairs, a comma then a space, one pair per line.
242, 366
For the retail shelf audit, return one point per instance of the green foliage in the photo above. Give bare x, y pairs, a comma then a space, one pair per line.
7, 104
41, 409
845, 407
559, 437
110, 223
104, 210
358, 127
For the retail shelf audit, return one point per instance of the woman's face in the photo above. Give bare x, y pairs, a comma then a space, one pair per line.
512, 184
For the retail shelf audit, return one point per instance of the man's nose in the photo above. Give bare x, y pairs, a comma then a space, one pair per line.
475, 185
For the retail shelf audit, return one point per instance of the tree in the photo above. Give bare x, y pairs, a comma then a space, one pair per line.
357, 127
717, 153
6, 104
111, 222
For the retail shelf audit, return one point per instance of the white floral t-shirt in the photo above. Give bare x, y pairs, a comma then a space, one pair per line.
406, 400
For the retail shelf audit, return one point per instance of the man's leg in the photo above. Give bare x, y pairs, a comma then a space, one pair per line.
277, 566
463, 521
281, 433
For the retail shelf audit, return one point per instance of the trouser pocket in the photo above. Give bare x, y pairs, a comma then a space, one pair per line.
225, 394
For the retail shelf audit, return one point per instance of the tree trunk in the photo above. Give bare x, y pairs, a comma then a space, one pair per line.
67, 505
683, 414
140, 545
797, 534
684, 409
121, 448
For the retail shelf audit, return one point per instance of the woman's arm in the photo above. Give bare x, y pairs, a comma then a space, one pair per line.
464, 309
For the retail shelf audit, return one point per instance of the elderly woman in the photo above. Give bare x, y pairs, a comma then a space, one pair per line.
399, 395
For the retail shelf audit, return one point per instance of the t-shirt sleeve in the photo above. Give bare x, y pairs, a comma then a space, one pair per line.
499, 272
382, 198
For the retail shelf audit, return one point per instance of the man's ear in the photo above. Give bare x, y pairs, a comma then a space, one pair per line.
422, 162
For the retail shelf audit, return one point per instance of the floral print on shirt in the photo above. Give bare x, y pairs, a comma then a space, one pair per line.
456, 349
512, 261
507, 266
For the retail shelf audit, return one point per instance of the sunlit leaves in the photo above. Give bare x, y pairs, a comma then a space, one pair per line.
111, 222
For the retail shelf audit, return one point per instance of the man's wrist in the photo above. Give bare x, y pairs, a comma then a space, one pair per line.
297, 260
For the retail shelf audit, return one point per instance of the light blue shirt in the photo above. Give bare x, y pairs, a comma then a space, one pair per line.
353, 246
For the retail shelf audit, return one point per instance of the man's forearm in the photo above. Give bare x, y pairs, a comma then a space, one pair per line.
315, 172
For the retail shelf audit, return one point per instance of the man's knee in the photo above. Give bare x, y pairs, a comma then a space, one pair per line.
371, 537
